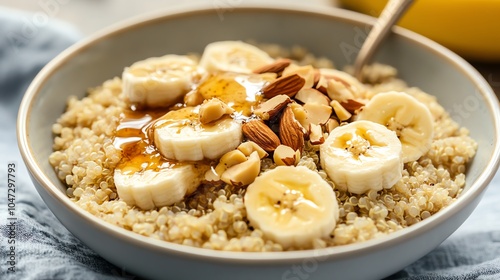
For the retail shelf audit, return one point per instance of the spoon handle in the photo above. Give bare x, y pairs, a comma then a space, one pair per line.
393, 10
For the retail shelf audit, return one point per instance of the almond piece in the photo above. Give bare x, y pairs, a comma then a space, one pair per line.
258, 132
352, 105
340, 111
318, 113
307, 72
288, 85
272, 107
316, 136
249, 147
291, 131
310, 95
229, 159
276, 67
338, 91
331, 124
300, 115
322, 85
193, 98
350, 82
244, 173
284, 155
317, 76
213, 109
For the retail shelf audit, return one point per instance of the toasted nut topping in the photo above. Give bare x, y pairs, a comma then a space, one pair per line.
338, 91
288, 85
322, 85
331, 124
316, 136
317, 76
193, 98
318, 113
284, 155
300, 115
310, 95
352, 105
272, 107
229, 159
307, 72
258, 132
291, 131
249, 147
211, 175
213, 109
340, 111
275, 67
350, 82
244, 173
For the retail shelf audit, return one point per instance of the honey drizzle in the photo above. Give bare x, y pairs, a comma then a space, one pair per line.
135, 138
135, 134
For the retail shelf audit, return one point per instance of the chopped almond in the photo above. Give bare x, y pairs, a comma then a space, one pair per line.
229, 159
244, 173
213, 109
272, 107
316, 136
284, 155
338, 91
310, 95
249, 147
331, 124
318, 113
307, 72
340, 111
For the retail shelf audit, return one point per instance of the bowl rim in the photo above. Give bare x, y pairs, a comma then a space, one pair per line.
332, 253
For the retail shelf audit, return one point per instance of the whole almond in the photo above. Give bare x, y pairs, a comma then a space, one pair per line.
275, 67
291, 131
288, 85
258, 132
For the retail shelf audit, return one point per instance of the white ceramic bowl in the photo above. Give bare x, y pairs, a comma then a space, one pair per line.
330, 32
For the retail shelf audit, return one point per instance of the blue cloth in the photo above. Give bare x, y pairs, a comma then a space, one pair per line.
46, 250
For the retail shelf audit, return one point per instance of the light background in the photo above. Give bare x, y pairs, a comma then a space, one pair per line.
90, 16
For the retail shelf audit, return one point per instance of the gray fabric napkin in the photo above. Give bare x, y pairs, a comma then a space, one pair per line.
46, 250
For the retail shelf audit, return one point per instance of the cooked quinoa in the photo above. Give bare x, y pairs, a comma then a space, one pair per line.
214, 216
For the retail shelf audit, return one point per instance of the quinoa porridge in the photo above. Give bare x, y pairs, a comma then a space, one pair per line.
244, 147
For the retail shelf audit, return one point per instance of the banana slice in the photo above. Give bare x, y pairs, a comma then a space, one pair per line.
180, 135
292, 206
411, 120
233, 56
362, 156
160, 81
149, 189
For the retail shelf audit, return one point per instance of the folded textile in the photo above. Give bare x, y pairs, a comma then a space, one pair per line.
46, 250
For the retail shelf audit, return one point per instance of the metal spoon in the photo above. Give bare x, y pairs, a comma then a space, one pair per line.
389, 16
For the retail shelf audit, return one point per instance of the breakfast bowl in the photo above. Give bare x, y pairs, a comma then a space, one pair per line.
332, 33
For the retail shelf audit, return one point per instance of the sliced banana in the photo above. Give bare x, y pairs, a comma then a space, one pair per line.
160, 81
149, 189
411, 120
233, 56
180, 135
362, 156
292, 206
